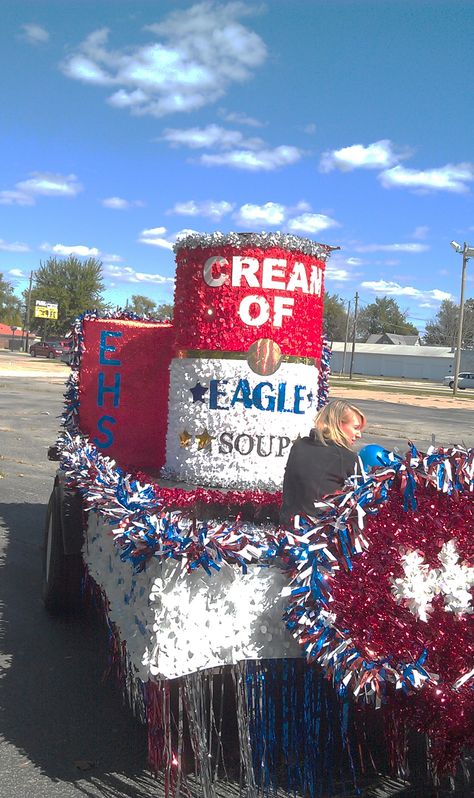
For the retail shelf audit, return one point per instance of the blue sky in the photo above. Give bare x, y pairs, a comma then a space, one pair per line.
351, 123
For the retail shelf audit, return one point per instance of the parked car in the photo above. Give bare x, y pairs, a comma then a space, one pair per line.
46, 349
465, 380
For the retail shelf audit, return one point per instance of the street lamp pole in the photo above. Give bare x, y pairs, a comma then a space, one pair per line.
467, 252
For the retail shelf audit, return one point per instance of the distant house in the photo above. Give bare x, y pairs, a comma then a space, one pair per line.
391, 338
11, 337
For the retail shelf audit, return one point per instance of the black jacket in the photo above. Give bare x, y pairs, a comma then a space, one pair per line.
313, 470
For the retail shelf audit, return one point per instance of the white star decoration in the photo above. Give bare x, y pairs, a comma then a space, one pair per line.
420, 584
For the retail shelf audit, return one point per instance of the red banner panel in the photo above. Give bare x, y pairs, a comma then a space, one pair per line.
123, 389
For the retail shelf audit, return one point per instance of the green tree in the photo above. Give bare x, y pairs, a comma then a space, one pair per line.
334, 317
383, 315
164, 312
10, 305
442, 329
141, 305
468, 324
144, 306
75, 285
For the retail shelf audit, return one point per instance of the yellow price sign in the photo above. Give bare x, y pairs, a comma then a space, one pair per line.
46, 310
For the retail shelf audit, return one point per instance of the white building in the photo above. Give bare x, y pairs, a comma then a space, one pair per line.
389, 360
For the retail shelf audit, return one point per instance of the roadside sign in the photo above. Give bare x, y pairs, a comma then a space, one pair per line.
45, 310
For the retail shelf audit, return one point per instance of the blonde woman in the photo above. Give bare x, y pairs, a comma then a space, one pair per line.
318, 465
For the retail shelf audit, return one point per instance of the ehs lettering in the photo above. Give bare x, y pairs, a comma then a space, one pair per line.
104, 348
264, 396
106, 389
109, 437
112, 389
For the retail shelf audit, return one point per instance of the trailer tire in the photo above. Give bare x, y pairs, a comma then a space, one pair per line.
62, 573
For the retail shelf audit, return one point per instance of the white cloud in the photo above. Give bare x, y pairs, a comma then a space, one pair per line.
337, 274
420, 232
452, 177
196, 54
301, 207
208, 209
410, 248
34, 34
354, 261
209, 137
271, 213
239, 118
13, 197
379, 155
186, 231
16, 273
236, 150
264, 160
382, 156
110, 258
14, 246
440, 295
120, 204
389, 288
155, 237
125, 274
50, 185
46, 184
311, 223
80, 250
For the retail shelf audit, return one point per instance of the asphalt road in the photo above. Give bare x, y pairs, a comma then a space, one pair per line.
393, 425
63, 729
58, 713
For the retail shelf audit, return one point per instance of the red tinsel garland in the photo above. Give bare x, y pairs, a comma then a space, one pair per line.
382, 629
247, 502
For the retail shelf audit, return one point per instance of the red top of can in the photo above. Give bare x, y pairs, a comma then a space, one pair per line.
233, 290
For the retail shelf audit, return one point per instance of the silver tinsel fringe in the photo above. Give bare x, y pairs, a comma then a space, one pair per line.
261, 240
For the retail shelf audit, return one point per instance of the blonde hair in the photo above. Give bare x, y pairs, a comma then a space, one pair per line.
327, 424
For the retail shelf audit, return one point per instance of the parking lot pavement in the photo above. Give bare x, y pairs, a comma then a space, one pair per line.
21, 364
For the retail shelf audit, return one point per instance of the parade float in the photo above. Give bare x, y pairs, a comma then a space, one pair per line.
241, 644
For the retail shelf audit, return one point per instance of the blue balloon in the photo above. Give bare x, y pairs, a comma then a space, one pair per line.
374, 456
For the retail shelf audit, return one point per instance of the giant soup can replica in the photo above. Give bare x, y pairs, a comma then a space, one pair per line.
248, 338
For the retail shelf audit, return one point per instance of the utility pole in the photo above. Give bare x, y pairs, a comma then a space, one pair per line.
467, 252
346, 337
356, 305
26, 319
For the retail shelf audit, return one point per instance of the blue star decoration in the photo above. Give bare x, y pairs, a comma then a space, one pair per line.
198, 392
